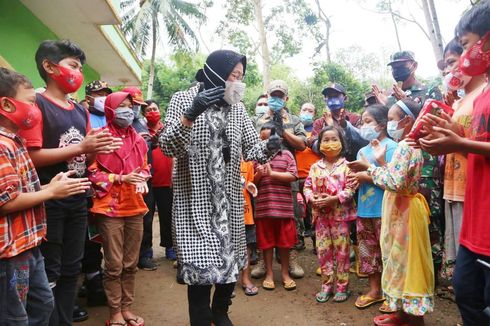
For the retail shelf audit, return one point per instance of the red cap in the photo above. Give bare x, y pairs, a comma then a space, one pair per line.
136, 94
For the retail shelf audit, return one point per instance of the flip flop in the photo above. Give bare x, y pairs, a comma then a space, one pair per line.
339, 296
289, 285
250, 291
134, 321
385, 309
318, 271
367, 301
393, 320
323, 297
268, 285
115, 323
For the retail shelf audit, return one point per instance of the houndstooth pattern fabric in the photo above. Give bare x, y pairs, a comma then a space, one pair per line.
209, 231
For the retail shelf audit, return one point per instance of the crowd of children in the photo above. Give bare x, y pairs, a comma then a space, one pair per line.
369, 182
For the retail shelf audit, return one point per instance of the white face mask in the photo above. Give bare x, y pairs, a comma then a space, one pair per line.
393, 130
234, 92
261, 109
99, 103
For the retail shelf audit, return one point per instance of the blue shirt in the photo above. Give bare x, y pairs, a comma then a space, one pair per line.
97, 121
370, 196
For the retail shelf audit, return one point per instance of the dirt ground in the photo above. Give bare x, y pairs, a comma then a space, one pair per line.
161, 301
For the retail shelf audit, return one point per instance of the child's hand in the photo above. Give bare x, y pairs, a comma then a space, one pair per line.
267, 169
353, 181
252, 189
379, 152
134, 177
444, 142
327, 201
142, 188
360, 165
62, 186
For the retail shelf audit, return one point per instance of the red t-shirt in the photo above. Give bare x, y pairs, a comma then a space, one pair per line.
475, 230
162, 169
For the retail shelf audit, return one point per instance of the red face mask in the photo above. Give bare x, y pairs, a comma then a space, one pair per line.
153, 117
25, 115
69, 80
474, 61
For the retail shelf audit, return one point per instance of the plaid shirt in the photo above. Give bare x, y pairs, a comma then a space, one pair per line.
22, 230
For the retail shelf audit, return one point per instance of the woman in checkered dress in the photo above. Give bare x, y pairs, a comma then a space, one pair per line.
207, 137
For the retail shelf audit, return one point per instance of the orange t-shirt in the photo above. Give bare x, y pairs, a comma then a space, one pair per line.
247, 176
455, 170
304, 161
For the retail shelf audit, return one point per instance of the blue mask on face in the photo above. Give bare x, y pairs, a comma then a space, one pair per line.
335, 103
306, 119
275, 103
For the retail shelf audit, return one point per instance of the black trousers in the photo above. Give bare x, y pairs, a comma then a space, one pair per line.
63, 253
471, 282
200, 313
92, 256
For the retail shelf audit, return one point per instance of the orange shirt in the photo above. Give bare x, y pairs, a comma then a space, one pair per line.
304, 161
114, 199
247, 176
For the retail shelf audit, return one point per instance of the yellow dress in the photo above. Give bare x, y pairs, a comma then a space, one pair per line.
408, 272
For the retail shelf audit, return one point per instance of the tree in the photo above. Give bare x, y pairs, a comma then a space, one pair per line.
143, 21
247, 21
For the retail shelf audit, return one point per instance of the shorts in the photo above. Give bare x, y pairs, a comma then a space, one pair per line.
250, 234
275, 232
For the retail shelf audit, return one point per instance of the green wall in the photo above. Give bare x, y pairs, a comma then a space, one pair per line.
20, 35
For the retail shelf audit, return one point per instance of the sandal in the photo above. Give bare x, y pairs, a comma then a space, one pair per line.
385, 309
137, 321
289, 285
250, 290
392, 319
323, 297
341, 296
268, 285
115, 323
365, 301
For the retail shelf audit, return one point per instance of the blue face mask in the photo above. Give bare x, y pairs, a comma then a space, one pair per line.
275, 103
369, 133
306, 119
393, 131
335, 103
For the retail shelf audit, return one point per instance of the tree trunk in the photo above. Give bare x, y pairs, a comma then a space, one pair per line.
323, 17
151, 77
431, 31
266, 59
395, 26
437, 29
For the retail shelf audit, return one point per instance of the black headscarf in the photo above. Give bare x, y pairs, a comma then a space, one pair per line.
222, 63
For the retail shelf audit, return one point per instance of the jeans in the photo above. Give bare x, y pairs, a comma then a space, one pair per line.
200, 313
471, 282
25, 295
63, 253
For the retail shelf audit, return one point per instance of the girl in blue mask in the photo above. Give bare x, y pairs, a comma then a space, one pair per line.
378, 152
408, 272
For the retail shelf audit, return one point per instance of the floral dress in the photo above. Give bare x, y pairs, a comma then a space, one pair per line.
408, 272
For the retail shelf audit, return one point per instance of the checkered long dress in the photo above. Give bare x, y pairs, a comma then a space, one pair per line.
208, 222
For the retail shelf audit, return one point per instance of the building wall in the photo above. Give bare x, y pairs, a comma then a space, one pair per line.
20, 35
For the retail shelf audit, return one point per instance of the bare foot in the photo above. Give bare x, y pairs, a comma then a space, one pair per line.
117, 319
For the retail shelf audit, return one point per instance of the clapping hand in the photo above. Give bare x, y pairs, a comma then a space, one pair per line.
379, 152
360, 165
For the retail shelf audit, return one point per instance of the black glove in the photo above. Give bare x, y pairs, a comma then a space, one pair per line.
202, 101
277, 119
274, 142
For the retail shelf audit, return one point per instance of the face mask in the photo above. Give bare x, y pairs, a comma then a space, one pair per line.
275, 103
474, 61
259, 110
369, 133
331, 149
234, 92
136, 110
123, 117
306, 119
25, 115
335, 103
393, 130
69, 80
99, 103
456, 80
153, 117
401, 73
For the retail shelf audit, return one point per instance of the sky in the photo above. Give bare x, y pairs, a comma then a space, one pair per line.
355, 22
